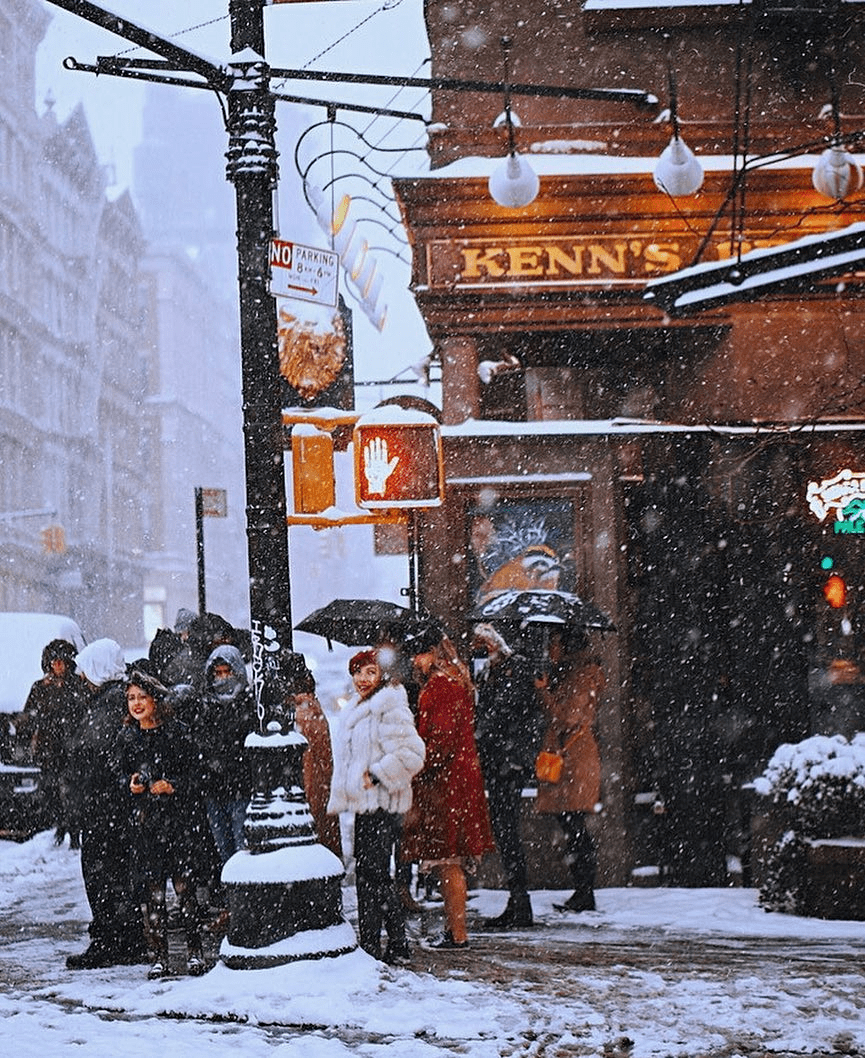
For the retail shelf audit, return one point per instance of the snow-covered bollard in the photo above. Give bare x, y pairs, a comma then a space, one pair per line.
284, 891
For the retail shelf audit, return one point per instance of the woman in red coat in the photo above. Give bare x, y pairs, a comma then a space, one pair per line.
448, 824
569, 695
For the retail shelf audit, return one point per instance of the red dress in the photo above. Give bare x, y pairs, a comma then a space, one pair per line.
449, 814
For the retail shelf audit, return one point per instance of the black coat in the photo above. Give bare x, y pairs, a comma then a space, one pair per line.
90, 766
56, 706
164, 825
509, 723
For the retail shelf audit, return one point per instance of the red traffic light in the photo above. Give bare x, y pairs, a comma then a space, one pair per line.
835, 591
397, 459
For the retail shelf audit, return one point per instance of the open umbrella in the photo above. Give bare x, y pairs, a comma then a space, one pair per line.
365, 622
538, 606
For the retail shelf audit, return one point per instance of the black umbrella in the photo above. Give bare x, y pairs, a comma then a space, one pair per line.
538, 606
365, 622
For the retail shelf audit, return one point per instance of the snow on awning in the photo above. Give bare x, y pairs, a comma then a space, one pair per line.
792, 266
489, 428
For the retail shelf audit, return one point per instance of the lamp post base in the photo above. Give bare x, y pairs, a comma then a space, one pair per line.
285, 889
285, 905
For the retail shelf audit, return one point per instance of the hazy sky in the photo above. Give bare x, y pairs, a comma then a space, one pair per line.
390, 39
380, 36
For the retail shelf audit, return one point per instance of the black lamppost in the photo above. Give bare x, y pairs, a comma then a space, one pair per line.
252, 169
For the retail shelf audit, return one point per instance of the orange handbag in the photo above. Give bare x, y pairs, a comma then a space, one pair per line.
548, 766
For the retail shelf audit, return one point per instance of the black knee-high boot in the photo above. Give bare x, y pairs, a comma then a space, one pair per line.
581, 859
156, 932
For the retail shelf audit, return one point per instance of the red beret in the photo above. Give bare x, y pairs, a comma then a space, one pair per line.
363, 657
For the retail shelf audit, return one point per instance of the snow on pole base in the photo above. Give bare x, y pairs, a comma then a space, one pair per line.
311, 944
285, 891
284, 905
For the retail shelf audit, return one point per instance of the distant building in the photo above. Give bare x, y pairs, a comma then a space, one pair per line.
196, 433
72, 425
120, 368
194, 388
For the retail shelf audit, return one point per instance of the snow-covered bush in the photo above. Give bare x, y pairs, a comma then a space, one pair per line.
818, 788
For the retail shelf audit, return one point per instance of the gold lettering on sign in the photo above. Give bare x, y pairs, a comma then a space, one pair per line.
525, 261
662, 257
591, 262
585, 261
557, 258
476, 259
600, 258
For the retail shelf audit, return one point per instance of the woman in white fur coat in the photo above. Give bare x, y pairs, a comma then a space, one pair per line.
376, 753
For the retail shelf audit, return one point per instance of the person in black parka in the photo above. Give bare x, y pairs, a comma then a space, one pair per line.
509, 725
54, 711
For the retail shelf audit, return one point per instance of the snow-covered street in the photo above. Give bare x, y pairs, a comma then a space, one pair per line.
652, 973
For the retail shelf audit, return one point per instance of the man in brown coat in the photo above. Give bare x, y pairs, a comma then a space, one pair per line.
569, 695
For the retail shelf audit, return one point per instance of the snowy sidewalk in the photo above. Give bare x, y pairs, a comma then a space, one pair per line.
652, 973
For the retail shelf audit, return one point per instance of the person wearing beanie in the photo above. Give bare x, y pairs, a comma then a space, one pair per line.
52, 713
116, 933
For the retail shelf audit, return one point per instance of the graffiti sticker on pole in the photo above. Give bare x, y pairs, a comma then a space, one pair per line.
305, 272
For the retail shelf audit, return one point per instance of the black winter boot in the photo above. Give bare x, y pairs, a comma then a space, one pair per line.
582, 899
155, 932
516, 915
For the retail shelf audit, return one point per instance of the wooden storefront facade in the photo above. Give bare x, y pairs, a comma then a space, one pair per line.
657, 465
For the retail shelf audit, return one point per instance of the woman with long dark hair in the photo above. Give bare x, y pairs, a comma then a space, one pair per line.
449, 825
160, 770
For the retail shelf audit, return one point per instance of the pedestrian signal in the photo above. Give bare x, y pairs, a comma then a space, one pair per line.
397, 459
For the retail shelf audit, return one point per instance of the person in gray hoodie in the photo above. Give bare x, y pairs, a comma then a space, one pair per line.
227, 715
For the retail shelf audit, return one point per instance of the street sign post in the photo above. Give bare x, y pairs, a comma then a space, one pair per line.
209, 503
305, 272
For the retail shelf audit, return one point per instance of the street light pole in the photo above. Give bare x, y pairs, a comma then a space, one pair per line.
292, 909
252, 169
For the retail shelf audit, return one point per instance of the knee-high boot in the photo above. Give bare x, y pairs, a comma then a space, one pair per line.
155, 931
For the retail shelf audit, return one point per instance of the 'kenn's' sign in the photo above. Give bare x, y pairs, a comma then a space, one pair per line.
603, 261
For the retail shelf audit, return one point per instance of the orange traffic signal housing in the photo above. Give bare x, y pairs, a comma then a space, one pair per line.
312, 467
53, 539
